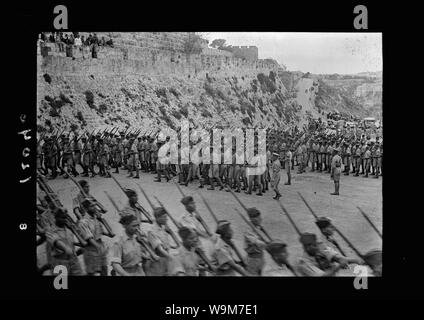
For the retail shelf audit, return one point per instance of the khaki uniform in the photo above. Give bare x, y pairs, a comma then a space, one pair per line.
95, 261
129, 253
221, 255
255, 252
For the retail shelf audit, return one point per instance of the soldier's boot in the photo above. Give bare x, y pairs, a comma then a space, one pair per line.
158, 179
366, 174
259, 191
288, 183
201, 180
137, 175
249, 190
130, 174
346, 173
167, 176
277, 195
116, 169
212, 187
238, 188
376, 174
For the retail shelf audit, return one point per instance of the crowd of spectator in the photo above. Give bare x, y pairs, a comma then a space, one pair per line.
67, 40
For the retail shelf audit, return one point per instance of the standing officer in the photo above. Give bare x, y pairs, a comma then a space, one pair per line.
336, 164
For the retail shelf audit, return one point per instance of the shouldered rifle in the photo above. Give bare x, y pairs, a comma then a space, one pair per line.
231, 243
198, 216
146, 245
370, 222
321, 259
316, 218
245, 208
55, 200
145, 195
168, 229
99, 208
138, 206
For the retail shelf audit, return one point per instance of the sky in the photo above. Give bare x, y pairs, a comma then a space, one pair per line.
318, 53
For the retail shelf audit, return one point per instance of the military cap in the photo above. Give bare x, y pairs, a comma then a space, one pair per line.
130, 192
86, 203
275, 154
185, 232
186, 200
336, 149
308, 238
276, 246
222, 226
127, 219
159, 211
59, 212
323, 222
253, 212
373, 257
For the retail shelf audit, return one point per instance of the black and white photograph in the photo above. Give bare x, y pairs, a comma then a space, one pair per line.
207, 154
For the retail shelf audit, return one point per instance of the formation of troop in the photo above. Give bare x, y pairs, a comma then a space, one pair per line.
147, 244
312, 149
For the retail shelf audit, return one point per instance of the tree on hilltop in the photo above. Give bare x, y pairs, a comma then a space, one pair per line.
218, 43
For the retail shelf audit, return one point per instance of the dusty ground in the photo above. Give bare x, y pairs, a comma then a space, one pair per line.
315, 187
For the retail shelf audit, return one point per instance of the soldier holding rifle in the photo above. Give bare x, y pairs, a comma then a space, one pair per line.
222, 255
128, 256
160, 240
309, 264
278, 251
95, 253
60, 245
186, 261
254, 246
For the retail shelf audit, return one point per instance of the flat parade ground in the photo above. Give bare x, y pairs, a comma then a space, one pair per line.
315, 187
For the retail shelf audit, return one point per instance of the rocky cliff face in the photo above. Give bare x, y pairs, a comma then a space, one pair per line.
155, 88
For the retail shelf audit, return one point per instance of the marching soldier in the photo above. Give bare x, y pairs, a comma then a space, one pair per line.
348, 155
132, 208
95, 252
357, 159
103, 159
186, 262
329, 246
367, 160
275, 177
67, 158
76, 148
309, 264
133, 159
278, 251
254, 246
60, 245
160, 240
128, 256
87, 157
222, 256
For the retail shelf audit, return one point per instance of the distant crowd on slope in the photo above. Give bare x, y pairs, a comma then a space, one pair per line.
63, 40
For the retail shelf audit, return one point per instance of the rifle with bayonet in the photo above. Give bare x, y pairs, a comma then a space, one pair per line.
370, 222
70, 223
